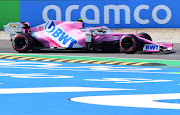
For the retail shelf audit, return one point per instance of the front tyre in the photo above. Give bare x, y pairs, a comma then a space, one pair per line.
22, 43
129, 43
145, 36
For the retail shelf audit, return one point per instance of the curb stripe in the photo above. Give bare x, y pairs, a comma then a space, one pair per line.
100, 62
25, 58
141, 63
74, 61
37, 59
48, 59
11, 57
113, 63
125, 63
87, 61
80, 61
5, 56
62, 60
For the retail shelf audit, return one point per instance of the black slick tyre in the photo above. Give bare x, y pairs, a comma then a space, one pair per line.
145, 36
22, 43
129, 44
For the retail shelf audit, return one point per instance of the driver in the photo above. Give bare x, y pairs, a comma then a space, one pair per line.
81, 20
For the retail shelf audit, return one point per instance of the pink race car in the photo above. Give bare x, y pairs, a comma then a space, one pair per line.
68, 34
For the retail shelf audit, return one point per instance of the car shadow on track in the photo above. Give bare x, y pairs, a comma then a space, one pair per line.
100, 52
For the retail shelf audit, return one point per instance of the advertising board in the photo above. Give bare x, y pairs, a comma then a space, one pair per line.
111, 13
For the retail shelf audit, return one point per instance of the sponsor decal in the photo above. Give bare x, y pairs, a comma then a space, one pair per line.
107, 8
59, 35
151, 47
14, 26
112, 13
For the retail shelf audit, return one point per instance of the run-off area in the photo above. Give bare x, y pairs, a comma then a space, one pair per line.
43, 88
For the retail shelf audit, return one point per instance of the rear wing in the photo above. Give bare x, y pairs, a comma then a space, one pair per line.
13, 28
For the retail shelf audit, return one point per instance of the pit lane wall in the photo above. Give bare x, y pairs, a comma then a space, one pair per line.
111, 13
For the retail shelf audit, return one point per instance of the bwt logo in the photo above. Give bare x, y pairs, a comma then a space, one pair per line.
59, 34
116, 8
151, 47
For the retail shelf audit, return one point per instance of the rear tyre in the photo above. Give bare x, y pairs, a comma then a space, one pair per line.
22, 43
129, 43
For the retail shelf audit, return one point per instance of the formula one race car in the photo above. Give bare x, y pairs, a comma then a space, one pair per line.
68, 34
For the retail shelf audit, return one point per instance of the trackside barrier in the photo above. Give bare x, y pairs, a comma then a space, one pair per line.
111, 13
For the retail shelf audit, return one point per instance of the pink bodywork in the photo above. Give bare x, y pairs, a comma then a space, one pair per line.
72, 29
72, 35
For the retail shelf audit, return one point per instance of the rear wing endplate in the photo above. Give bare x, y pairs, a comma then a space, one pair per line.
13, 27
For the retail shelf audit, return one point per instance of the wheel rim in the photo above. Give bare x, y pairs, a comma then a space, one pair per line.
128, 44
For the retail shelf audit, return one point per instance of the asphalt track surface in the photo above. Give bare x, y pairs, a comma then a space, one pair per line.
59, 88
6, 47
